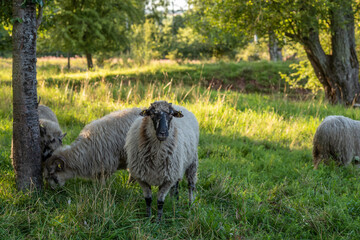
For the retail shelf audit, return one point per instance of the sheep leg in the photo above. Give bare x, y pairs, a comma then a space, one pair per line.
147, 195
174, 192
163, 191
191, 177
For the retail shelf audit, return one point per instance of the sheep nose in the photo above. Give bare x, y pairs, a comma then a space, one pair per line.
162, 134
161, 137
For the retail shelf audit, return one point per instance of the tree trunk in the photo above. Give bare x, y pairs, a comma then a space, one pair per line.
274, 48
68, 58
26, 132
89, 61
339, 72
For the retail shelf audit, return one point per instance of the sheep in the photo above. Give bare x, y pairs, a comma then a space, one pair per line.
337, 138
97, 152
160, 150
51, 135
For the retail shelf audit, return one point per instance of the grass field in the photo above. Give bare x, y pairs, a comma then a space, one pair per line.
256, 179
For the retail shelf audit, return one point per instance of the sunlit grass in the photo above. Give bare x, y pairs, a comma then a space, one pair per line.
256, 178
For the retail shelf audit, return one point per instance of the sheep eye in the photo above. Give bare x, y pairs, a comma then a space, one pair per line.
52, 140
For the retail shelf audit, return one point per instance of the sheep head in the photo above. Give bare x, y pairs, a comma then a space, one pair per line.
51, 138
161, 114
56, 172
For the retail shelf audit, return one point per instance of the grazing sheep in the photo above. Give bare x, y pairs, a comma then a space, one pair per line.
97, 152
51, 135
46, 113
336, 138
161, 149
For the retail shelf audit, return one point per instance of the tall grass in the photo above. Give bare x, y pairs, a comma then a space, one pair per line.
256, 178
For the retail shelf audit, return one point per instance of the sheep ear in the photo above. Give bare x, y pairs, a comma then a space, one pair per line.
177, 114
59, 163
144, 113
62, 137
42, 130
56, 164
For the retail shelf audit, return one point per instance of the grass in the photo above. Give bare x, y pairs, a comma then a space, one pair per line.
256, 179
244, 76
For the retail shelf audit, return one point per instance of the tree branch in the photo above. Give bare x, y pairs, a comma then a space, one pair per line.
39, 17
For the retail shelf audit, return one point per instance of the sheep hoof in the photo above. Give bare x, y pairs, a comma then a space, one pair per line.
159, 218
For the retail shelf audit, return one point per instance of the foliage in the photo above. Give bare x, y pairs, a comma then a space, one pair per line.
220, 42
92, 26
253, 51
258, 17
190, 45
177, 38
302, 77
156, 10
145, 41
5, 41
256, 179
6, 11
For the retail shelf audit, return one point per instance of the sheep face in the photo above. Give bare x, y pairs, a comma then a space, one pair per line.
161, 114
51, 139
55, 172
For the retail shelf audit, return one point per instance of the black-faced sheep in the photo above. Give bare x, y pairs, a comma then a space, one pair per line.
337, 138
161, 149
51, 135
97, 152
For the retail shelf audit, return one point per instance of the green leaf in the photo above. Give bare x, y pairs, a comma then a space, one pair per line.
17, 19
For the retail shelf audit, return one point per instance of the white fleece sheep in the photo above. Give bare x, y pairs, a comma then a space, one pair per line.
337, 138
161, 149
96, 153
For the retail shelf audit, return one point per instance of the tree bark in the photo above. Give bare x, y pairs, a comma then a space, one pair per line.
89, 61
26, 132
274, 48
338, 72
68, 63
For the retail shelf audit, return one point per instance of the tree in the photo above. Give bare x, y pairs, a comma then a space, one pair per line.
302, 22
274, 47
26, 132
210, 18
92, 26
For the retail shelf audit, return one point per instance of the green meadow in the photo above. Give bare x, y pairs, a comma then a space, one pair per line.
255, 177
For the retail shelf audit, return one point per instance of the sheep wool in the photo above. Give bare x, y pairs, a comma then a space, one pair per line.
337, 138
97, 152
